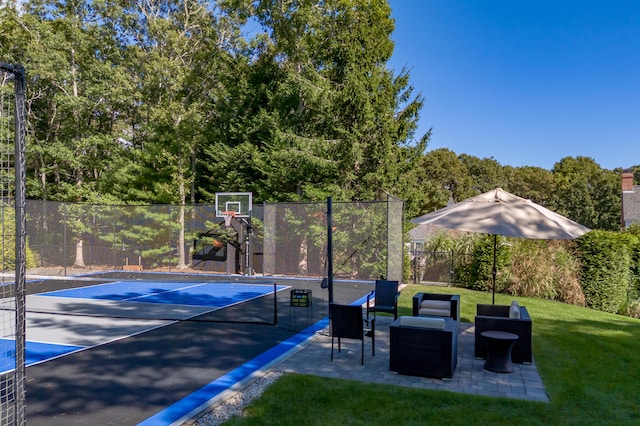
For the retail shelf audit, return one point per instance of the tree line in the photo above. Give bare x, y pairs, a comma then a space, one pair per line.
168, 101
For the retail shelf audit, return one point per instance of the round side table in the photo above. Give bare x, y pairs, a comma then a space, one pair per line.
499, 345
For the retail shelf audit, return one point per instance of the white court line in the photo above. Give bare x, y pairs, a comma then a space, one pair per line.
167, 291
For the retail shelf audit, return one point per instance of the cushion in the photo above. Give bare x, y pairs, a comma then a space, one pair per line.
514, 312
436, 304
436, 312
422, 322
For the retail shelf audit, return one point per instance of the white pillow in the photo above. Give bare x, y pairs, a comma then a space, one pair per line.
422, 322
514, 312
436, 304
436, 312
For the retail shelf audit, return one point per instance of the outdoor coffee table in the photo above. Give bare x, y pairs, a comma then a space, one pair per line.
499, 345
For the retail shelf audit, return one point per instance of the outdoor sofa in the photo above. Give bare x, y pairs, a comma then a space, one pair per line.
423, 346
513, 319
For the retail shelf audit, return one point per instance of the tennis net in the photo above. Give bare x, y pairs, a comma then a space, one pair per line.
164, 298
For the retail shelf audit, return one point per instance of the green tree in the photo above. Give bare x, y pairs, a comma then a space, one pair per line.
587, 193
444, 176
534, 183
75, 81
486, 173
179, 59
321, 114
75, 84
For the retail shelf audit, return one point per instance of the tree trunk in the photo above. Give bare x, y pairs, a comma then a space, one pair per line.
79, 262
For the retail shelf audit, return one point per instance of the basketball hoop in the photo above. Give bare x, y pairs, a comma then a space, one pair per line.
227, 217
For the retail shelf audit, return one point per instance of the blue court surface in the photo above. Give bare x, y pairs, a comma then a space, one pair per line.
179, 342
129, 307
213, 295
35, 352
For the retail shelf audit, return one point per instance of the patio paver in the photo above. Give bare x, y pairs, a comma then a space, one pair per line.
313, 358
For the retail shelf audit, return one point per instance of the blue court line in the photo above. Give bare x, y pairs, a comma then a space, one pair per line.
198, 400
35, 352
194, 403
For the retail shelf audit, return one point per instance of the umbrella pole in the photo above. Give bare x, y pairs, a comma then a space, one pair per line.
493, 271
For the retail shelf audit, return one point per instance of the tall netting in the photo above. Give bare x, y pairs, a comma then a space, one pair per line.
12, 239
395, 238
68, 235
295, 240
288, 239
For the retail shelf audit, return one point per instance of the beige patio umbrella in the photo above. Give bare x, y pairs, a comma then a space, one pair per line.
498, 212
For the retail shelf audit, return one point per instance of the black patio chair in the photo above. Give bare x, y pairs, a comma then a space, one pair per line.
385, 298
347, 323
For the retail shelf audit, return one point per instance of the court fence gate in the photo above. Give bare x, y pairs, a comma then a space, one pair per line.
440, 267
432, 266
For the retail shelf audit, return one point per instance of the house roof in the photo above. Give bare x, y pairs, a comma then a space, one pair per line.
631, 206
422, 233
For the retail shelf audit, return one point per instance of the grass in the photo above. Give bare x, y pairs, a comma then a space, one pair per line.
589, 362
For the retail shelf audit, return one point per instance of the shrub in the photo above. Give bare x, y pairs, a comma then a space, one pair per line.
634, 309
566, 274
633, 234
531, 272
545, 269
634, 267
480, 269
605, 272
8, 241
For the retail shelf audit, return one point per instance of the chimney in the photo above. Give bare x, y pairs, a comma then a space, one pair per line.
627, 182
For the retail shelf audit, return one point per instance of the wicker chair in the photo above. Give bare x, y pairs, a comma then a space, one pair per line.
347, 323
496, 317
385, 298
424, 346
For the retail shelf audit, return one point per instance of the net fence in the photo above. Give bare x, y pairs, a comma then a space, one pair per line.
288, 239
12, 238
395, 238
167, 298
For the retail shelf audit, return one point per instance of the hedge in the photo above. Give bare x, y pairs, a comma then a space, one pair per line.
605, 270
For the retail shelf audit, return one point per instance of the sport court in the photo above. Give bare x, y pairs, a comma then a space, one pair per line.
64, 321
149, 355
131, 348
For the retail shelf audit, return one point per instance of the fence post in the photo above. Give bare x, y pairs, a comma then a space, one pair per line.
64, 236
415, 264
330, 247
452, 269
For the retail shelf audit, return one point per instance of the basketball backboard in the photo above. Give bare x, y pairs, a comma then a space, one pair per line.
238, 202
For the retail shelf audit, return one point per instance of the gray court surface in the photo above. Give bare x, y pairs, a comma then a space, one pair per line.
87, 322
143, 357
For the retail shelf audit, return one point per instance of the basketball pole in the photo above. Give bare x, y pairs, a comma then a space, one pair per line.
330, 247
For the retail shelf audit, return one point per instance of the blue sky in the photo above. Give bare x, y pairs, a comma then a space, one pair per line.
525, 82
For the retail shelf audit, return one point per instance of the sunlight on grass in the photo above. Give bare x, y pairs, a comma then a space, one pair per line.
589, 362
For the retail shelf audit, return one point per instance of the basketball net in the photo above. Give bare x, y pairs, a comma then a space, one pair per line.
227, 217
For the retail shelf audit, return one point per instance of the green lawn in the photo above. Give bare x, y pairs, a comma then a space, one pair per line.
589, 362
